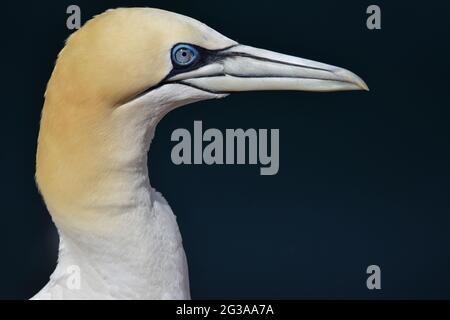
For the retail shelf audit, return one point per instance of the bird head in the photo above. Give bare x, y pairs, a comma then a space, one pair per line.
126, 53
126, 68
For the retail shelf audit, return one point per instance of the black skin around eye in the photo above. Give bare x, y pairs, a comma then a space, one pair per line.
204, 57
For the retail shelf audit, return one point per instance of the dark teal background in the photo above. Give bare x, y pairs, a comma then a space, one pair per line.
364, 176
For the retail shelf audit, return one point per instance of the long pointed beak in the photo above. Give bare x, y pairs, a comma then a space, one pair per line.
244, 68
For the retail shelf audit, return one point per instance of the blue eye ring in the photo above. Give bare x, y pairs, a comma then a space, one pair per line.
184, 55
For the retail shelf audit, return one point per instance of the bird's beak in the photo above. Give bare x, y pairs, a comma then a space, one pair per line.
244, 68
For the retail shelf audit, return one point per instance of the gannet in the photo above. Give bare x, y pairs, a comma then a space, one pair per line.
112, 83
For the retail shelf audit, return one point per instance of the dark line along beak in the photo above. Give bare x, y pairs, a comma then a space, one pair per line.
244, 68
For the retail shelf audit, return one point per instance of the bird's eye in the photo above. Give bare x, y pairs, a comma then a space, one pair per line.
184, 55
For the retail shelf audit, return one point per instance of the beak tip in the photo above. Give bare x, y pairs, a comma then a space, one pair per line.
351, 77
364, 86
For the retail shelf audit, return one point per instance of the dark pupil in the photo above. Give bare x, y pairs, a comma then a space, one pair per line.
184, 56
